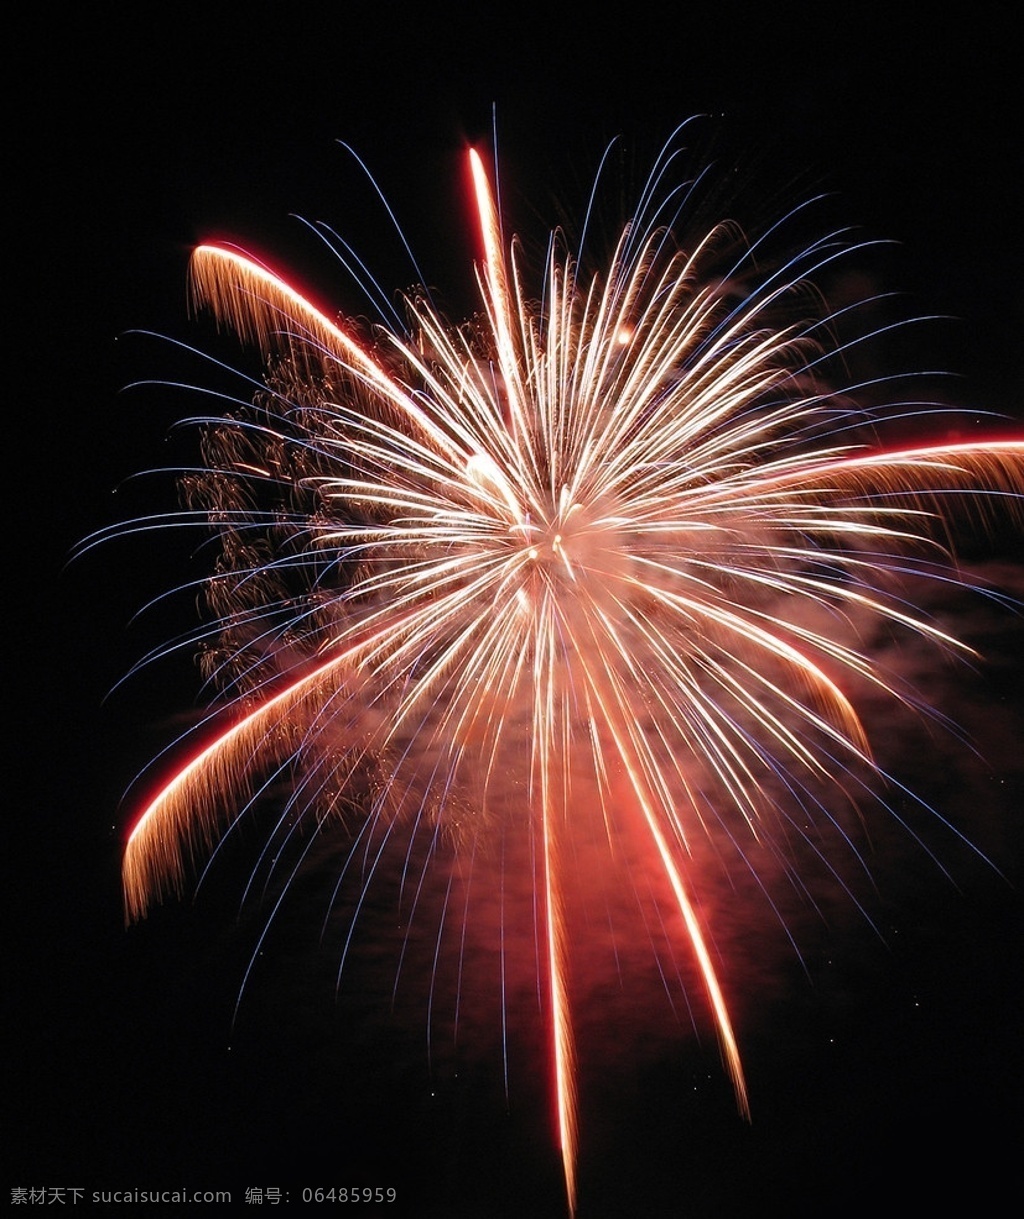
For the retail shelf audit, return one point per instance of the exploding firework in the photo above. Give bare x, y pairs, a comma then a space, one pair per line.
589, 567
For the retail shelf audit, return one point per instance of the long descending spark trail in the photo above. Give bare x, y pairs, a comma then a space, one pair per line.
600, 531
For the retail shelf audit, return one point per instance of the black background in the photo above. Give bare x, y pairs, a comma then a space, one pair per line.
892, 1071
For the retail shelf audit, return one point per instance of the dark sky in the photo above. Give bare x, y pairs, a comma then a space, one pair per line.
138, 132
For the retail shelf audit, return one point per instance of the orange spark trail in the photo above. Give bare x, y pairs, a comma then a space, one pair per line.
723, 1021
562, 1039
153, 858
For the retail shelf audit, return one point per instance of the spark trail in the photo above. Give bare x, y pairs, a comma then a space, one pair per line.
585, 531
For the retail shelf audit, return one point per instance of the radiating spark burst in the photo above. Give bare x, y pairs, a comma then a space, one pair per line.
612, 528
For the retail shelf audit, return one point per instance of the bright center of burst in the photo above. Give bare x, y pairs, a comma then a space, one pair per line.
576, 556
561, 543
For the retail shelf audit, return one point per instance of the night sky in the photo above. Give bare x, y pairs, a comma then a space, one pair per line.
888, 1066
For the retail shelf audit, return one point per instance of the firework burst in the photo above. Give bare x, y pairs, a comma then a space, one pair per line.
609, 535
